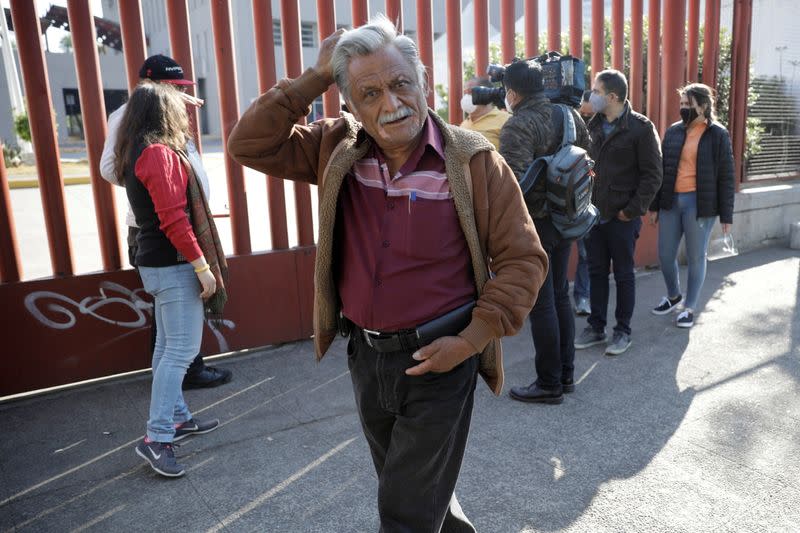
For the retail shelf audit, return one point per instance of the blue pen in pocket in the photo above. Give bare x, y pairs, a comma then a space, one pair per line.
412, 197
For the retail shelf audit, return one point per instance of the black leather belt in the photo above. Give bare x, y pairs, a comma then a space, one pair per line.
448, 324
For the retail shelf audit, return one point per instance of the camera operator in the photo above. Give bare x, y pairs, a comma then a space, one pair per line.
535, 129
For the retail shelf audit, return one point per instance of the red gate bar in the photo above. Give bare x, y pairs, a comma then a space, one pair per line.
637, 71
740, 79
654, 62
290, 30
38, 101
425, 43
90, 91
130, 22
618, 34
326, 15
265, 67
531, 28
711, 43
360, 12
481, 16
692, 44
10, 269
181, 45
229, 115
672, 61
507, 30
455, 66
598, 36
576, 28
394, 10
554, 25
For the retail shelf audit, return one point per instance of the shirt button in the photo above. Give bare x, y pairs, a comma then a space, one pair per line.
378, 283
390, 205
385, 244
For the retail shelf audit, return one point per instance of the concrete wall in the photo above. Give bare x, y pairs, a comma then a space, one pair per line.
763, 214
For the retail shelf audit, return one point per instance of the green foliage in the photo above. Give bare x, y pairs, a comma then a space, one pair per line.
754, 130
22, 126
11, 156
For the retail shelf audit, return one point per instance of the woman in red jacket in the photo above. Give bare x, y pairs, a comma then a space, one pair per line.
179, 258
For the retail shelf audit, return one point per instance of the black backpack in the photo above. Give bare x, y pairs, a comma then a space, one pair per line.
568, 179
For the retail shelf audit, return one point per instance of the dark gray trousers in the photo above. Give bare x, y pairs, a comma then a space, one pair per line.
417, 428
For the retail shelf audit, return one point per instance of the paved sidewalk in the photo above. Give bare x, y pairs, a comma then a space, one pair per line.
689, 431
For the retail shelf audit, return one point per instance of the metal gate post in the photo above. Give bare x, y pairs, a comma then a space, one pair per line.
90, 91
40, 116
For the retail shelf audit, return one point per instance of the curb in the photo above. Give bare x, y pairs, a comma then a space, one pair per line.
33, 183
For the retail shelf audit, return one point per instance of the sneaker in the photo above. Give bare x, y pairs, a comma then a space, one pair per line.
590, 337
666, 305
619, 343
582, 307
685, 319
194, 427
161, 456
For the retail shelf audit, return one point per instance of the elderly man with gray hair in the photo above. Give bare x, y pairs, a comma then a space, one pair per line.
426, 257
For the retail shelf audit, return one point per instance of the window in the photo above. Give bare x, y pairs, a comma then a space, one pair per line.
308, 34
276, 32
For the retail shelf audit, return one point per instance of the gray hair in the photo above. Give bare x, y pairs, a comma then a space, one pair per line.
368, 39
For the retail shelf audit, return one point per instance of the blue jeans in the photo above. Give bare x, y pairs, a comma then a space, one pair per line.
178, 313
674, 223
612, 242
581, 287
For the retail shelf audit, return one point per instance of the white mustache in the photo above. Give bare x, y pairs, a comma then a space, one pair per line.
403, 112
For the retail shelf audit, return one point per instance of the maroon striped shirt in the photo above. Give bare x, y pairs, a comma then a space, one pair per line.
402, 258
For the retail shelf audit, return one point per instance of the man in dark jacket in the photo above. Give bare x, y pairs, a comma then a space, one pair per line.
628, 171
535, 129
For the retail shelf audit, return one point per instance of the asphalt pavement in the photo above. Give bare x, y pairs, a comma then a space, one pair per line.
690, 430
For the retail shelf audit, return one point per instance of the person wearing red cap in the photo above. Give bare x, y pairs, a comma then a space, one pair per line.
162, 69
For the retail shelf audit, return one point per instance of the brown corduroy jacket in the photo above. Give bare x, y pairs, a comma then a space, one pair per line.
507, 259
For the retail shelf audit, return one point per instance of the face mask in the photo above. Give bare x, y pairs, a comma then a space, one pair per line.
467, 105
598, 102
688, 114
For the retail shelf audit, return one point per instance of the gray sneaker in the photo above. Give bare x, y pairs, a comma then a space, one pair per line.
582, 307
590, 337
619, 343
194, 427
161, 456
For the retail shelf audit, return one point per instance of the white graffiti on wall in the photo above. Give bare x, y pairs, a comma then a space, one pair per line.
62, 309
57, 311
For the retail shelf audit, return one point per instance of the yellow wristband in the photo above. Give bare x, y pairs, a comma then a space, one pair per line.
202, 268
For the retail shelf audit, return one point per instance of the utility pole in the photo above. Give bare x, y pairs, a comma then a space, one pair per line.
12, 79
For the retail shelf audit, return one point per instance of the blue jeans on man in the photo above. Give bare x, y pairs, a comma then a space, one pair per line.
612, 242
581, 286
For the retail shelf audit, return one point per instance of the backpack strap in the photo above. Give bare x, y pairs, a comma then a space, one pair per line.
570, 135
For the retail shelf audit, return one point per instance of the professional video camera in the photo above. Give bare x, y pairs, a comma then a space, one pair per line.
563, 77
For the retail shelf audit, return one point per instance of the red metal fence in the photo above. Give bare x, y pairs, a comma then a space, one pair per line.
69, 328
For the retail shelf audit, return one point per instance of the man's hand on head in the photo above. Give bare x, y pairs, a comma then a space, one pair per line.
323, 66
442, 355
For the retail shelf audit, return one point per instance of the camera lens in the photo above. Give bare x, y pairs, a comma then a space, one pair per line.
489, 95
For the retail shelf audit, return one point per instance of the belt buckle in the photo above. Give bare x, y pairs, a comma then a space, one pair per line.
367, 333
